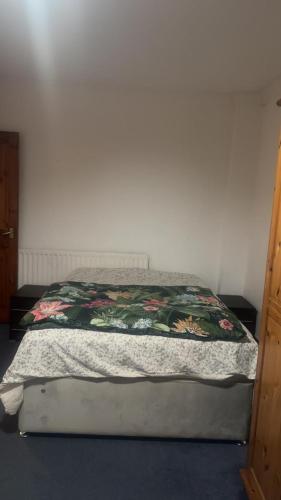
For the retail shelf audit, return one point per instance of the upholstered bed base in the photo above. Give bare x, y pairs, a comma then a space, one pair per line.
145, 407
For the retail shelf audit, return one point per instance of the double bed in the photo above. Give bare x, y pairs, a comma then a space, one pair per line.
92, 381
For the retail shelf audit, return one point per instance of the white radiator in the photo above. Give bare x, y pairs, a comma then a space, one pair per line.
42, 267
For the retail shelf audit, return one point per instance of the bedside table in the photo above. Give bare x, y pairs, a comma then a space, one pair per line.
23, 300
244, 311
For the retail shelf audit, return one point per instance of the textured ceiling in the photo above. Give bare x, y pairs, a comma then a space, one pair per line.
205, 45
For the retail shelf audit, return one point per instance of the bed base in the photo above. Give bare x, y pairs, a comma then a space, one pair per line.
172, 408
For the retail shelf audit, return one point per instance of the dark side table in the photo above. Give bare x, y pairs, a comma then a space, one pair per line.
244, 311
21, 302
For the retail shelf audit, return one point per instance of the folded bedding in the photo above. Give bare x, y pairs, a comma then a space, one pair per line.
55, 347
172, 311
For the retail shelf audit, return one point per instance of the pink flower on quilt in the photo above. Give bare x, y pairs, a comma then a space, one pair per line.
46, 309
151, 308
98, 303
208, 300
155, 302
225, 324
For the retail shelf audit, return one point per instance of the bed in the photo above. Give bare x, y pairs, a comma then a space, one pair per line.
85, 381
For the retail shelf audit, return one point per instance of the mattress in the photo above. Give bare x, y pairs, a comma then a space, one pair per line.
134, 276
58, 353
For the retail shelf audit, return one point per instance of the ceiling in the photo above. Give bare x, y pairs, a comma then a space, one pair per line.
202, 45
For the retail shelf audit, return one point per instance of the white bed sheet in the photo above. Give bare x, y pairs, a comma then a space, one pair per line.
54, 353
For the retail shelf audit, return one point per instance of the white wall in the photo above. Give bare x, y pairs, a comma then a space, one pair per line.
162, 173
263, 194
239, 192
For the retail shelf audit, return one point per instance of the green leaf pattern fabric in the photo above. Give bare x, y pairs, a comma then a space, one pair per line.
190, 312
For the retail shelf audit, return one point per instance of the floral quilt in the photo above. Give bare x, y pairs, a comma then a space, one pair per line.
190, 312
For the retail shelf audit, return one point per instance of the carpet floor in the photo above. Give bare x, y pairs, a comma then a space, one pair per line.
96, 468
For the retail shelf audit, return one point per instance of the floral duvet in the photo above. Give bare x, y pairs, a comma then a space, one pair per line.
186, 312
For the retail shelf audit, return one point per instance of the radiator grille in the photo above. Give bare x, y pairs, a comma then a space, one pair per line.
42, 267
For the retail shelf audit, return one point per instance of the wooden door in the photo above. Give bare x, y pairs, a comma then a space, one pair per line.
8, 220
262, 478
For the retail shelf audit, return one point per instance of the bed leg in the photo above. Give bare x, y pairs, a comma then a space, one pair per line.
23, 434
241, 443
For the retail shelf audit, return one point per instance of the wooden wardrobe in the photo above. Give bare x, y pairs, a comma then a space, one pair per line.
262, 477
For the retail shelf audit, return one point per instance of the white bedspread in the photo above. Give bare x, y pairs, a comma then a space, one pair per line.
54, 353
